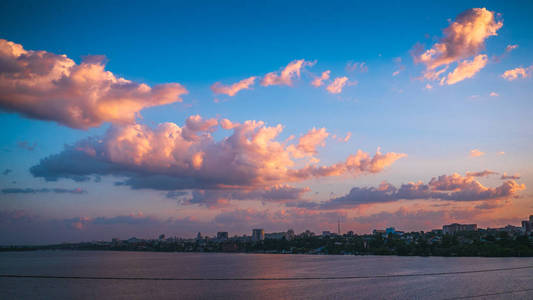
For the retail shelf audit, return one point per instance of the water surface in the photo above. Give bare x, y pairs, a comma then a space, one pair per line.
222, 265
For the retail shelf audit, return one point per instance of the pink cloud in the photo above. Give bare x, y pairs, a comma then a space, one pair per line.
463, 38
290, 72
476, 153
467, 69
233, 89
308, 143
47, 86
337, 85
319, 80
510, 48
171, 157
517, 73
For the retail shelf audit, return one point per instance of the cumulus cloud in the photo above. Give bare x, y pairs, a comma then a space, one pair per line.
337, 85
77, 191
494, 94
286, 76
476, 153
463, 38
516, 73
445, 187
6, 171
171, 157
467, 69
308, 143
232, 90
320, 80
52, 87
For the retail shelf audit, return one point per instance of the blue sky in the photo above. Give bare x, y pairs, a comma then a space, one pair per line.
198, 44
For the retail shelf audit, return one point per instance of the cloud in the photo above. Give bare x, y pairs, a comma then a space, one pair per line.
483, 173
494, 94
337, 85
46, 86
517, 73
463, 38
476, 153
76, 191
308, 143
290, 72
354, 66
510, 48
218, 198
342, 139
467, 69
505, 176
318, 81
7, 171
445, 187
233, 89
171, 157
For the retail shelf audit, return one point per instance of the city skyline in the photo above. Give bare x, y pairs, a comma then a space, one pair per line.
186, 120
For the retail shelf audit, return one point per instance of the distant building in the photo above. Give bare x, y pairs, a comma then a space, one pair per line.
378, 231
276, 235
436, 231
455, 227
199, 236
222, 235
258, 234
527, 226
326, 233
390, 230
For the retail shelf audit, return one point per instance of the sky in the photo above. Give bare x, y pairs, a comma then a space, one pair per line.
125, 119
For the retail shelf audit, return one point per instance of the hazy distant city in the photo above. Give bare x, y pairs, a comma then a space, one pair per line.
452, 240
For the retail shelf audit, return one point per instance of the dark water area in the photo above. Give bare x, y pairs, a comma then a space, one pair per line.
502, 284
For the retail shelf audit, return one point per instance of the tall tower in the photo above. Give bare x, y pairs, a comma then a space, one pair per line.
339, 226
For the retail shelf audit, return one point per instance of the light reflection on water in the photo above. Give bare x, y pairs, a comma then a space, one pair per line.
219, 265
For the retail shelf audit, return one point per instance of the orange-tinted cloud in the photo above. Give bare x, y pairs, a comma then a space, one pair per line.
320, 80
517, 73
467, 69
171, 157
47, 86
286, 76
476, 153
308, 143
232, 90
337, 85
463, 38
